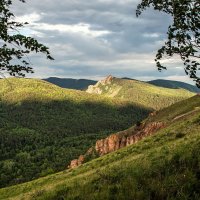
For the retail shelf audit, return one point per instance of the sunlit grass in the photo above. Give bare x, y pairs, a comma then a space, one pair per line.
144, 93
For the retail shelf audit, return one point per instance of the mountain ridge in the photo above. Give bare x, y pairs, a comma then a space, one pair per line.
70, 83
82, 84
174, 84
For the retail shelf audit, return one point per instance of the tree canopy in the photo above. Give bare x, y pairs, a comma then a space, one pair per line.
15, 47
183, 33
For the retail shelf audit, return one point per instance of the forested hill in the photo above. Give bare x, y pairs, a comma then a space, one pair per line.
174, 85
43, 127
164, 165
78, 84
139, 92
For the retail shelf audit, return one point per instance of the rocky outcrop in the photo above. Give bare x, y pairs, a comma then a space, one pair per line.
76, 162
107, 80
96, 89
120, 140
93, 90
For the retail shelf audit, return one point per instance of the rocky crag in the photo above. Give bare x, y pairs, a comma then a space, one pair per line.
119, 140
96, 89
123, 139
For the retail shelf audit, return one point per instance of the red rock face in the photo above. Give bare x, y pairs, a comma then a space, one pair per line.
73, 164
120, 140
148, 130
110, 144
76, 162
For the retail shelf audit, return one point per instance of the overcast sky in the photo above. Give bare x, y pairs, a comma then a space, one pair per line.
94, 38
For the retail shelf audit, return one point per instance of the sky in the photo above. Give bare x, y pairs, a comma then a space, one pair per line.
95, 38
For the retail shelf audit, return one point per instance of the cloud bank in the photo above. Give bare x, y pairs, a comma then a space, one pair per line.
94, 38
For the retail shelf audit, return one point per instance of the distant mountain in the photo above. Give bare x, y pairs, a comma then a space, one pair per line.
77, 84
83, 84
139, 92
126, 78
174, 85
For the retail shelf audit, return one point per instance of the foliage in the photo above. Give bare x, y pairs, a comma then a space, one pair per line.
43, 127
14, 46
183, 34
162, 166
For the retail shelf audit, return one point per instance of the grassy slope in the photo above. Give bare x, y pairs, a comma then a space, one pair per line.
145, 93
43, 127
163, 166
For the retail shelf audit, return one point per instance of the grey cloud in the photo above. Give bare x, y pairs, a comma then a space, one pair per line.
75, 51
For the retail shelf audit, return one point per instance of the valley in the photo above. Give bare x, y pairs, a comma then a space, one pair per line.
164, 165
99, 100
46, 129
43, 127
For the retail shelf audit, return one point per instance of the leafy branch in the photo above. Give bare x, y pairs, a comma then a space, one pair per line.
183, 34
16, 46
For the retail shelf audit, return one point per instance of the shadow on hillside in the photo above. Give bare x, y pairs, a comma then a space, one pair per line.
38, 138
58, 117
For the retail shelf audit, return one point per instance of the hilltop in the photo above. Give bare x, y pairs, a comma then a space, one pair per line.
43, 127
138, 92
174, 85
164, 165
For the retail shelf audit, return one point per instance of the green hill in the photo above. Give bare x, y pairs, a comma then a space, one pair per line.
43, 127
174, 85
139, 92
70, 83
165, 165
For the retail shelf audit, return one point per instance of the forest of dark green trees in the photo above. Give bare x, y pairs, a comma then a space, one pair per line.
44, 127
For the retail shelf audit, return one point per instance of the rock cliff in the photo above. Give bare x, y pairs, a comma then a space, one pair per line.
123, 139
96, 89
120, 140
